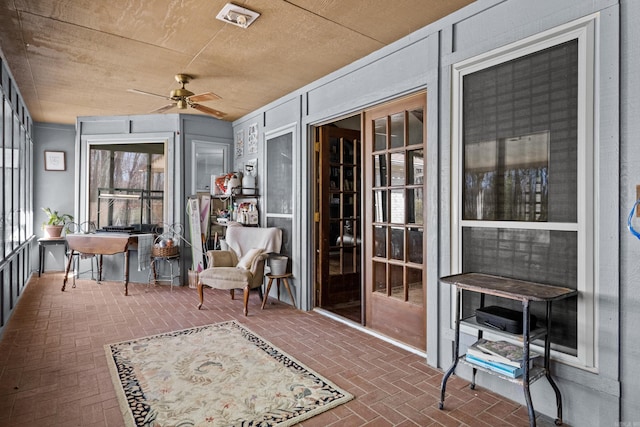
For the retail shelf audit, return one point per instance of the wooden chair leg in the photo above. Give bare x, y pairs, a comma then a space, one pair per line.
246, 300
233, 294
200, 294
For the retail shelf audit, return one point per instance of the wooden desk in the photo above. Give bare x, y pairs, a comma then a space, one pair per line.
100, 244
519, 290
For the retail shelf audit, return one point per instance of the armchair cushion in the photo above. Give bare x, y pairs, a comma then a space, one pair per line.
247, 259
225, 277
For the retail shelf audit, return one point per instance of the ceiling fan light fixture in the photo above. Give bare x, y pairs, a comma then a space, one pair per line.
181, 104
236, 15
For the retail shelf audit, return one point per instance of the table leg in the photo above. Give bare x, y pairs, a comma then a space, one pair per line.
525, 362
76, 269
266, 294
445, 378
170, 273
153, 272
126, 272
286, 285
66, 273
99, 269
547, 371
40, 259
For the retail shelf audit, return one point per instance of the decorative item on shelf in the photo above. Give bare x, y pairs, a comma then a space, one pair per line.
219, 185
252, 216
234, 212
224, 246
249, 181
232, 184
247, 213
55, 223
224, 184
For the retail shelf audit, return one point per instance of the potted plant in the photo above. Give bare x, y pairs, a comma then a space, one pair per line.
55, 222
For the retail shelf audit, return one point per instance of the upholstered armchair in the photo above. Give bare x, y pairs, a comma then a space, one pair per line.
242, 266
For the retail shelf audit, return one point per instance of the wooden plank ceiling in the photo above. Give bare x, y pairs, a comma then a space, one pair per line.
75, 58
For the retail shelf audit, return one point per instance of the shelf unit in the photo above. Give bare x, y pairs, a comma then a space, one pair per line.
223, 201
527, 293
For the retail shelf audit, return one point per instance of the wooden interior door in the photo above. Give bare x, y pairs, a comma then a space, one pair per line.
338, 163
394, 188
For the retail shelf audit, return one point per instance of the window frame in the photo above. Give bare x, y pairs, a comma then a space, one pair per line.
201, 147
582, 30
95, 141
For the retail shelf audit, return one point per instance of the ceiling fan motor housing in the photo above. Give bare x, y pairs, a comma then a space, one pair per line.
181, 93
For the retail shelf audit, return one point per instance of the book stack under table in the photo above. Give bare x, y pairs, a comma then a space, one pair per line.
498, 356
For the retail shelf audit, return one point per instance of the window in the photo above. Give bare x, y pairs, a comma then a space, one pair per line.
209, 159
280, 184
16, 192
522, 162
126, 185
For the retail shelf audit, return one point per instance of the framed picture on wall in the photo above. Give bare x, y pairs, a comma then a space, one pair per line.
54, 161
252, 139
240, 143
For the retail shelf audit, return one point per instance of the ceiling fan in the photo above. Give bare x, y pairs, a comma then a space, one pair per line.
183, 98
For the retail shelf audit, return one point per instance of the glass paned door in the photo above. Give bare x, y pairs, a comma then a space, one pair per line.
339, 282
395, 137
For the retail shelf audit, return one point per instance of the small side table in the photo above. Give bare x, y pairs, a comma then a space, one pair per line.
43, 242
169, 260
519, 290
285, 280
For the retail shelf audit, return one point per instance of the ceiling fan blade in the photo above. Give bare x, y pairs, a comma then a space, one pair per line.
201, 97
163, 108
147, 93
207, 110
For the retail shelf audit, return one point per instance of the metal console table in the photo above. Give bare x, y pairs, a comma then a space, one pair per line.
513, 289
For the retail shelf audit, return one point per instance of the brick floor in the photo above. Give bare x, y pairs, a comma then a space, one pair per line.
53, 369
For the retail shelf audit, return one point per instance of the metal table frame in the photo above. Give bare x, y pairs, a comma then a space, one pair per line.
153, 271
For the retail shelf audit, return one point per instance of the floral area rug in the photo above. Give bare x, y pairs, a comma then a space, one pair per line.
215, 375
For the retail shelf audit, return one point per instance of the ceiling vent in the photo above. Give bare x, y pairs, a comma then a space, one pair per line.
237, 15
